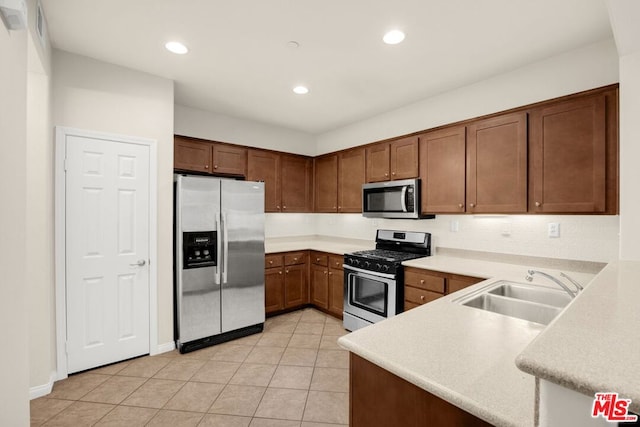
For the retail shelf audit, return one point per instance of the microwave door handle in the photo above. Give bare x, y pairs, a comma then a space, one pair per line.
403, 198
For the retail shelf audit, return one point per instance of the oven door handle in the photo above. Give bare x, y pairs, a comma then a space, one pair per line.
370, 273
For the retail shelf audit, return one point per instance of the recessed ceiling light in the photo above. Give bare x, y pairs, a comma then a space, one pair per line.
393, 37
293, 44
176, 47
301, 90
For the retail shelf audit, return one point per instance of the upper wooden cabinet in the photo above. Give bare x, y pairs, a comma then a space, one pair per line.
443, 170
297, 183
192, 155
265, 166
351, 176
197, 155
497, 164
229, 159
393, 160
569, 156
326, 183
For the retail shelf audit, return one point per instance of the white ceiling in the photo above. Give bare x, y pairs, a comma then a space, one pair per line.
240, 65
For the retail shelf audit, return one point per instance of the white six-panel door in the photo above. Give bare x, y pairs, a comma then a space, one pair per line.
107, 251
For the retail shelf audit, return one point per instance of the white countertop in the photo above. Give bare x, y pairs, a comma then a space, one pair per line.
334, 245
593, 346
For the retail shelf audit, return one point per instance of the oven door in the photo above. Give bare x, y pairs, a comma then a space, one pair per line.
368, 295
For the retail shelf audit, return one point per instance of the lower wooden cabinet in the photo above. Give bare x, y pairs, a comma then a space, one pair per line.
379, 398
336, 285
286, 283
320, 286
295, 285
422, 286
327, 282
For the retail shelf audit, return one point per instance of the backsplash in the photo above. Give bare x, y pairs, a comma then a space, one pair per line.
582, 237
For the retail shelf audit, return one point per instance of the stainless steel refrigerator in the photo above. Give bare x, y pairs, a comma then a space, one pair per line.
218, 260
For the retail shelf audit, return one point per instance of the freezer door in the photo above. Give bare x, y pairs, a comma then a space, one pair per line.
197, 289
242, 254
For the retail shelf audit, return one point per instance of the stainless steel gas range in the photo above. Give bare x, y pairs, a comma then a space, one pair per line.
374, 279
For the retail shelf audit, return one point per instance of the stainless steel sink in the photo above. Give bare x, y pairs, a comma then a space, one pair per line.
533, 303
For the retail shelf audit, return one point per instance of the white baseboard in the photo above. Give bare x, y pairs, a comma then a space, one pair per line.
44, 389
164, 348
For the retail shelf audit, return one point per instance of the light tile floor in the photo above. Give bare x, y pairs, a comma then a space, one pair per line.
292, 374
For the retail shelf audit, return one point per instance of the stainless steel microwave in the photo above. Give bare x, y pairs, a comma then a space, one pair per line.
392, 199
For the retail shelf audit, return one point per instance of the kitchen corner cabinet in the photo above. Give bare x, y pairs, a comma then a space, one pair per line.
191, 155
265, 166
327, 282
422, 286
351, 176
379, 398
326, 183
392, 160
497, 164
443, 170
569, 156
297, 183
286, 283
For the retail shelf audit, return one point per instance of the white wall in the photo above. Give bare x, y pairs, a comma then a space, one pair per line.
94, 95
14, 359
218, 127
587, 68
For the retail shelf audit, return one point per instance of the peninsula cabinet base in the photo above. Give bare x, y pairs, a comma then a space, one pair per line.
379, 398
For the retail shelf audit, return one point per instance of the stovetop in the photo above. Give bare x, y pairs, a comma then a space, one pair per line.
392, 248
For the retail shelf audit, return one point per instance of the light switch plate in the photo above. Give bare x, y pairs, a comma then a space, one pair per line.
554, 229
454, 226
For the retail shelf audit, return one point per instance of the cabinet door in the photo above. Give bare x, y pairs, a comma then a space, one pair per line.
497, 165
320, 286
297, 189
443, 170
326, 183
378, 162
265, 166
191, 155
336, 291
351, 176
403, 158
273, 290
568, 149
229, 160
295, 285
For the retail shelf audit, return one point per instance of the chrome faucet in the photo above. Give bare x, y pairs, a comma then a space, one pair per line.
529, 277
577, 284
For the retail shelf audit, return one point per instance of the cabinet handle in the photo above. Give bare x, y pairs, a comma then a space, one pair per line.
538, 204
270, 262
280, 271
330, 273
295, 259
284, 207
422, 281
421, 297
472, 204
325, 272
393, 173
215, 166
386, 174
286, 271
317, 259
206, 166
460, 205
277, 206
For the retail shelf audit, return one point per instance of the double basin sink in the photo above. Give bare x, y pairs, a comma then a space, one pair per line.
534, 303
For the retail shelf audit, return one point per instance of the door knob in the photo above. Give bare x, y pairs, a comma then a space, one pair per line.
140, 263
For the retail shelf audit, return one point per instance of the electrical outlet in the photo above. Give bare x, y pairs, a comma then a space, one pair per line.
554, 229
506, 229
454, 225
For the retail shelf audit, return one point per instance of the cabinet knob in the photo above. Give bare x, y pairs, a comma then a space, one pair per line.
472, 204
295, 259
393, 173
421, 297
330, 273
270, 262
277, 206
286, 271
422, 281
325, 272
538, 204
334, 207
215, 166
284, 207
460, 205
280, 272
206, 166
317, 259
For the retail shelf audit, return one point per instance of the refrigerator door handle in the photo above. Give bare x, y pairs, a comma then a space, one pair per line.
225, 254
218, 248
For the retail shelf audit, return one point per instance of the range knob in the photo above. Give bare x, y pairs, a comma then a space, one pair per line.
367, 264
385, 268
378, 266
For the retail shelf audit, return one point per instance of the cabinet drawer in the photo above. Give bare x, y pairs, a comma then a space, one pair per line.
319, 258
409, 305
419, 296
418, 279
460, 282
272, 261
336, 261
295, 258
